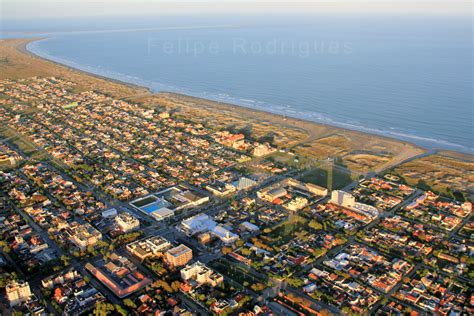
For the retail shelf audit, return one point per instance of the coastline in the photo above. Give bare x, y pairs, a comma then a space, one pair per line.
426, 142
361, 153
140, 92
295, 121
24, 49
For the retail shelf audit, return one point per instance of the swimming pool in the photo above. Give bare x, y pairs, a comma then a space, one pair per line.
150, 208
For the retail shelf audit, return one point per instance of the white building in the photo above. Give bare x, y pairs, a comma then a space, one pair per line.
110, 213
201, 274
162, 213
249, 226
220, 189
296, 204
197, 224
18, 292
126, 222
347, 200
224, 234
203, 223
343, 198
366, 209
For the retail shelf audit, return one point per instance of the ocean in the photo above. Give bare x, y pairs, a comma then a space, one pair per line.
407, 77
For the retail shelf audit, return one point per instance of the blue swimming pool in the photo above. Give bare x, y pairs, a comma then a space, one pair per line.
154, 206
150, 208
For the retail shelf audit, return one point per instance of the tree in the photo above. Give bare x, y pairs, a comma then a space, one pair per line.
325, 312
120, 310
245, 251
165, 285
226, 250
315, 225
257, 287
103, 309
4, 246
175, 285
347, 310
66, 260
129, 303
201, 297
6, 278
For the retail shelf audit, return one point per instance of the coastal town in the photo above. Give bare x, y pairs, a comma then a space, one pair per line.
112, 207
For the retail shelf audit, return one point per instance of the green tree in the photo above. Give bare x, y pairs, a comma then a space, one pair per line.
66, 260
175, 285
103, 309
4, 246
165, 285
120, 310
315, 225
245, 252
6, 278
129, 303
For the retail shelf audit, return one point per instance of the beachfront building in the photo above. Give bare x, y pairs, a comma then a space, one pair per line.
228, 139
179, 256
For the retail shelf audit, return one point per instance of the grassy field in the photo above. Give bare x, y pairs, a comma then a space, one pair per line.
444, 172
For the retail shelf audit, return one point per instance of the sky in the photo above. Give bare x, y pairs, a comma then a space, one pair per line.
25, 9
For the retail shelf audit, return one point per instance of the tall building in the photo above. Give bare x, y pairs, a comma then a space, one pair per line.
179, 256
342, 198
18, 292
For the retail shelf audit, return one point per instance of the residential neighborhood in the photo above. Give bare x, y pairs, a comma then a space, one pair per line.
108, 206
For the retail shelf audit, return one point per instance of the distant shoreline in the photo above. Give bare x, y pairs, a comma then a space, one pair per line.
420, 141
289, 120
24, 49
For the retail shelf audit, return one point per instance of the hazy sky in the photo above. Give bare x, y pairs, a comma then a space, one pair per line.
13, 9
